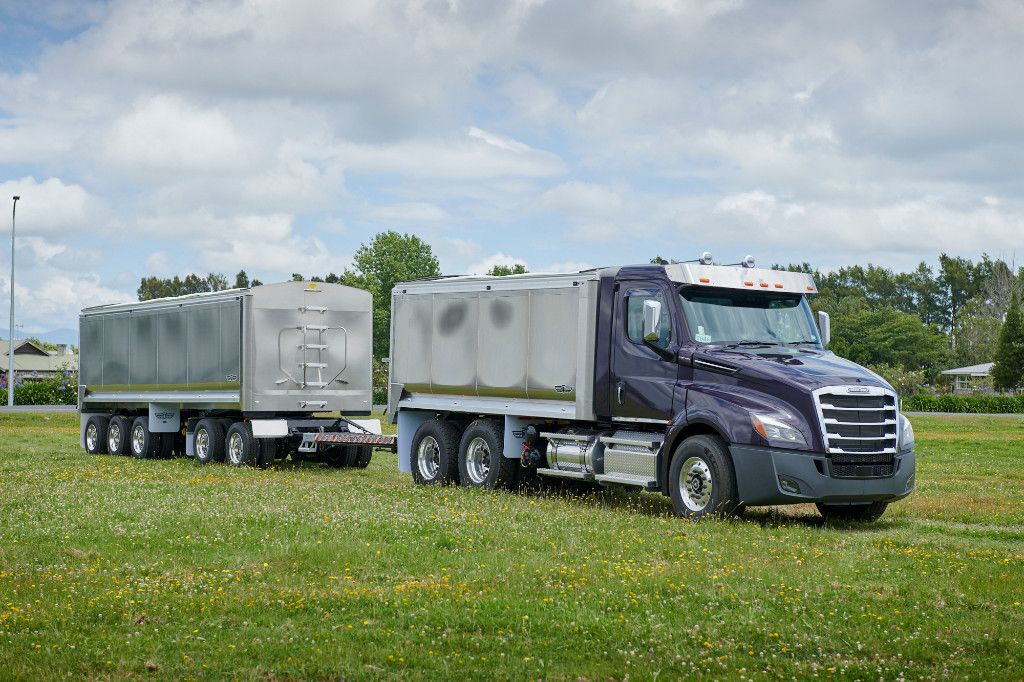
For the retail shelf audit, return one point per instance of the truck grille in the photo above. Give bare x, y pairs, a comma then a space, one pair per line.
860, 427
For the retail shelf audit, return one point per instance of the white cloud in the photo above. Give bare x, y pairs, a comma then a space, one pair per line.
43, 250
416, 212
51, 205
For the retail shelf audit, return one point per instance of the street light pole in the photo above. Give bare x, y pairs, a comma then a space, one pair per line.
10, 350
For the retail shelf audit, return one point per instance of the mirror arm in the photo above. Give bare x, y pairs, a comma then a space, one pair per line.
663, 353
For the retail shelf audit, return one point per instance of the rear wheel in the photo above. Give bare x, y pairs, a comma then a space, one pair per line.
482, 463
852, 512
240, 445
364, 454
96, 435
144, 443
117, 435
339, 456
435, 450
701, 478
208, 441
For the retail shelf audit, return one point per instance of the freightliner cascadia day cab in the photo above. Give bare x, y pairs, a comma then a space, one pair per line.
237, 375
709, 384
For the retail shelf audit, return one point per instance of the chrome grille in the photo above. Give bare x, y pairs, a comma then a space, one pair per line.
860, 427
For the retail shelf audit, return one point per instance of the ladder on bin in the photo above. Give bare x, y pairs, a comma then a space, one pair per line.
313, 342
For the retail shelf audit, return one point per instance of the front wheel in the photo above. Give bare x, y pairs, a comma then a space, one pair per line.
852, 512
701, 478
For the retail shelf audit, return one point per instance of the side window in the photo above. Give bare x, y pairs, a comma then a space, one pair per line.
635, 299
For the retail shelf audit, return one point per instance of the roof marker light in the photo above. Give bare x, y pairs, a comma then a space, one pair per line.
748, 284
778, 286
810, 288
705, 280
764, 284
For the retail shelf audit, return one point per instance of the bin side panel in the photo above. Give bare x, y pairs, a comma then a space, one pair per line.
554, 328
413, 318
172, 364
454, 350
91, 351
230, 341
143, 358
116, 348
503, 344
203, 346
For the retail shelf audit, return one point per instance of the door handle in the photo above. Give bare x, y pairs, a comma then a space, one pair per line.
620, 393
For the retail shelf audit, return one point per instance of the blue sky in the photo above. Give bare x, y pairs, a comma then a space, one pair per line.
170, 137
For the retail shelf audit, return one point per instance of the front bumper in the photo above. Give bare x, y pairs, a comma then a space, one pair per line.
777, 476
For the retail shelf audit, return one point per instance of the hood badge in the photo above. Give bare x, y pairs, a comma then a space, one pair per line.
858, 389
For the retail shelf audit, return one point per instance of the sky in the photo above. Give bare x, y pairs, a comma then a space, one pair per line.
276, 136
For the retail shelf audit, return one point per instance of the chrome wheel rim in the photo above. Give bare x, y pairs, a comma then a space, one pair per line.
92, 437
235, 448
428, 458
478, 460
695, 485
202, 444
138, 439
114, 438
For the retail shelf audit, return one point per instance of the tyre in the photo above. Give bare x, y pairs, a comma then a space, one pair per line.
96, 435
482, 463
267, 452
144, 444
852, 512
701, 478
240, 446
364, 454
168, 445
208, 441
435, 450
337, 456
117, 435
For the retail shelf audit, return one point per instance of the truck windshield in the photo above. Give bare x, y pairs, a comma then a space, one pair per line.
726, 316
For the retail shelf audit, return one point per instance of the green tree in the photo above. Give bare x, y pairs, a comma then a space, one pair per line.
506, 270
888, 337
658, 260
388, 259
157, 287
1008, 372
242, 280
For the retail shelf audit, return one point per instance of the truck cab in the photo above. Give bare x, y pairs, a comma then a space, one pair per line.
732, 362
711, 384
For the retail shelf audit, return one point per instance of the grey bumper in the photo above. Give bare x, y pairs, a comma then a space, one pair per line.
762, 473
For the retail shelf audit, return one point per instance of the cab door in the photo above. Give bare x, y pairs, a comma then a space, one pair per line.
643, 381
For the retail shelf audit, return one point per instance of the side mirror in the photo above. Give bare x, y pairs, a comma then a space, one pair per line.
824, 327
652, 320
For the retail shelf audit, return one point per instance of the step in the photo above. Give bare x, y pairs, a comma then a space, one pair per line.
625, 479
558, 473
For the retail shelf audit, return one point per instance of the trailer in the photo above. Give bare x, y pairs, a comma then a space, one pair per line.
243, 375
710, 384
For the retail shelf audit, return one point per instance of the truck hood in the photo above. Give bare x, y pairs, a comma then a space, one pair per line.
801, 368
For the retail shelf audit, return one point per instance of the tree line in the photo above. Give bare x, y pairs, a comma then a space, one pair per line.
908, 326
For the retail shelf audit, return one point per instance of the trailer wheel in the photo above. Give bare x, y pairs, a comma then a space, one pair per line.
144, 443
852, 512
339, 456
482, 463
435, 450
117, 435
208, 441
96, 435
240, 445
363, 456
701, 478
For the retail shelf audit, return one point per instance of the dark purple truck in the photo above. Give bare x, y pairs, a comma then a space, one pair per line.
710, 384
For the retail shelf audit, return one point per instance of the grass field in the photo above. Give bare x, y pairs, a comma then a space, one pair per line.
112, 567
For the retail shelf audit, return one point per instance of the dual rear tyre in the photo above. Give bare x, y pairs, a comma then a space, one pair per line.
475, 458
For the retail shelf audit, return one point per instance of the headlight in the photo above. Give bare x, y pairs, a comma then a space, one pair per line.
906, 434
777, 432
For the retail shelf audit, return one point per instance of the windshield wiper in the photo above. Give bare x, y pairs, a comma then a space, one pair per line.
752, 344
797, 343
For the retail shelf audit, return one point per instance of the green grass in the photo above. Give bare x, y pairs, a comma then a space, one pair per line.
112, 567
